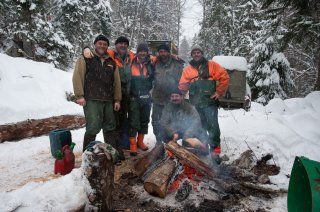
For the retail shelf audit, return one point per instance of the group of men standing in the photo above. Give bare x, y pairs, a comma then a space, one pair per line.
114, 87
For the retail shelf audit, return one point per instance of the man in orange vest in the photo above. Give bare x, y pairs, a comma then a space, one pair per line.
200, 77
123, 58
140, 85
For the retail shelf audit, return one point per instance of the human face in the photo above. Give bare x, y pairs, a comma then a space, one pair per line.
142, 54
196, 55
164, 54
122, 48
101, 47
176, 98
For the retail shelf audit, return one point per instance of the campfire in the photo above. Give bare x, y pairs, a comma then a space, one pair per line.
174, 170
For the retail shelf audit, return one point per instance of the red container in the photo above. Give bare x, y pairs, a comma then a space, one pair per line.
59, 167
66, 164
68, 158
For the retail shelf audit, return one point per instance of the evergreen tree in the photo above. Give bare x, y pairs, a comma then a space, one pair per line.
303, 23
184, 50
269, 75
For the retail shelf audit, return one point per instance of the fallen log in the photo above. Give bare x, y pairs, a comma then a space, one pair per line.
32, 128
191, 159
157, 182
142, 164
99, 170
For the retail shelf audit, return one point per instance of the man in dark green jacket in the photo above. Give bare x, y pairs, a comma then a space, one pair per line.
180, 120
97, 87
168, 71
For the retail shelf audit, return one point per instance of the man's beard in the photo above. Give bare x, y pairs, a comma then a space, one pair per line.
163, 58
101, 54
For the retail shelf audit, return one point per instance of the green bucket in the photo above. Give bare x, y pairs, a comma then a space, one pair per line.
304, 186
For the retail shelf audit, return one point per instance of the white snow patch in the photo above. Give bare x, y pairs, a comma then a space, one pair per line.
232, 62
285, 128
32, 90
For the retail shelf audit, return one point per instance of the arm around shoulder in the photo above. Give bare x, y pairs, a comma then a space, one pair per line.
78, 77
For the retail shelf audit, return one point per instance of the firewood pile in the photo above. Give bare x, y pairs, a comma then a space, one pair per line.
171, 170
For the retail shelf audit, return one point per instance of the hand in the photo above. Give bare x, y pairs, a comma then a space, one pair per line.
116, 106
87, 53
81, 101
175, 136
176, 57
215, 96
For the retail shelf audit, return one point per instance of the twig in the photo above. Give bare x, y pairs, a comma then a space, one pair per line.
263, 189
245, 140
233, 117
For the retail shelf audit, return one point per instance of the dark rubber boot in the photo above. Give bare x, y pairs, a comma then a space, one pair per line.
113, 139
87, 139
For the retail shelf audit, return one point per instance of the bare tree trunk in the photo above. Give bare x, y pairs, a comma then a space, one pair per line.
317, 85
99, 170
32, 127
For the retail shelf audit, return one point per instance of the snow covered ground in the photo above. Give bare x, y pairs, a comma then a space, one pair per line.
30, 90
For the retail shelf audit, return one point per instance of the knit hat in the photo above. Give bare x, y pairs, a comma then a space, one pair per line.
175, 90
101, 37
164, 47
122, 39
196, 47
142, 46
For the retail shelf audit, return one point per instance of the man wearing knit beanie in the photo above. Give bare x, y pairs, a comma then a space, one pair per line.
140, 85
196, 47
168, 71
98, 90
200, 77
122, 39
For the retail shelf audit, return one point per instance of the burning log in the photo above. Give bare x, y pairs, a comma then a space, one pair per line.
32, 128
157, 182
144, 163
99, 170
190, 158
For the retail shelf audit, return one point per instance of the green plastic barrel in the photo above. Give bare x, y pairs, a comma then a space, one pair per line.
304, 186
59, 138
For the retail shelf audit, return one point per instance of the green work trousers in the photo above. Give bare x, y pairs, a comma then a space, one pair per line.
156, 116
139, 116
209, 121
99, 115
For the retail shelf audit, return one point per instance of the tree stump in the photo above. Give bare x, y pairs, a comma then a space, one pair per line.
142, 164
157, 182
32, 128
99, 170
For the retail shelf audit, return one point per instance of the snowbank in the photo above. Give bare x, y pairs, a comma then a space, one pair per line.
32, 90
284, 128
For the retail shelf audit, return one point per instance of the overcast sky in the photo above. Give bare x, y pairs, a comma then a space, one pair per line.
192, 17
